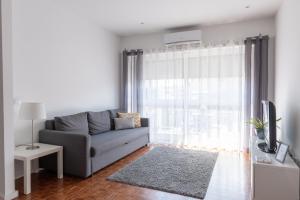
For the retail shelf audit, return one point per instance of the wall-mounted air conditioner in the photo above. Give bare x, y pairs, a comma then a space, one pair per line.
182, 37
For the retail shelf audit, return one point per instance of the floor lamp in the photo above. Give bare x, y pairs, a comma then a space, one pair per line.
32, 111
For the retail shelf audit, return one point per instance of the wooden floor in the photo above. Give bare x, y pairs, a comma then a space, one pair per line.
230, 181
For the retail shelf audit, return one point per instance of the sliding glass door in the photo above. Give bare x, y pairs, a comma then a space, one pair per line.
194, 97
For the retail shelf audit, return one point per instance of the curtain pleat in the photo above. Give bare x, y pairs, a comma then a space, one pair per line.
132, 71
124, 85
256, 84
248, 90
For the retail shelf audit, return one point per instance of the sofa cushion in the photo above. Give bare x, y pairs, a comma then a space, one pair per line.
99, 122
74, 123
124, 123
50, 124
112, 139
113, 114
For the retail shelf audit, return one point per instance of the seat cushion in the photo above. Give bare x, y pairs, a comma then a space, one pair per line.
112, 139
99, 122
74, 123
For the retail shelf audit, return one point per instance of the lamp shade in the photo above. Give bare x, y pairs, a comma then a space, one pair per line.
32, 111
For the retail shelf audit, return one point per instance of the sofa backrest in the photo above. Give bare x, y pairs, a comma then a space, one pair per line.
99, 122
113, 114
50, 125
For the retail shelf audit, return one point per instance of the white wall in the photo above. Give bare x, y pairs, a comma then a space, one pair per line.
63, 60
7, 183
218, 33
287, 73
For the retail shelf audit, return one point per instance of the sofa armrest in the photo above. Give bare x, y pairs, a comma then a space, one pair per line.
76, 151
145, 122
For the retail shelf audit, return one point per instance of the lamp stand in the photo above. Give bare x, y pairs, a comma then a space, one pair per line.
32, 146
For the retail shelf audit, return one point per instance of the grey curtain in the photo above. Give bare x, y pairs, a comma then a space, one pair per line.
256, 76
132, 80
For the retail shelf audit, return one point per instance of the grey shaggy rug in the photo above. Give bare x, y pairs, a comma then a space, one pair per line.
180, 171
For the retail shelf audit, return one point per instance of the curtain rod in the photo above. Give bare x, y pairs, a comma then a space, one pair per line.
260, 36
133, 51
198, 45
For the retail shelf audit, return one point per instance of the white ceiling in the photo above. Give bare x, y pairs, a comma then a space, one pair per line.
124, 17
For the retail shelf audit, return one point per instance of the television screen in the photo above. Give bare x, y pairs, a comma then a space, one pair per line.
269, 118
265, 120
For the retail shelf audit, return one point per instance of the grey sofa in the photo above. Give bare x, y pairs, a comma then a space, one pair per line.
86, 153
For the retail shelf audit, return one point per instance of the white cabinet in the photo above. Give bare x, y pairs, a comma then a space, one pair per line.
275, 181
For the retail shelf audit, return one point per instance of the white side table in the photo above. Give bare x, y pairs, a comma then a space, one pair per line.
21, 153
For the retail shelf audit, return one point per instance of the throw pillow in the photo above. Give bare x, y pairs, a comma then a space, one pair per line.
75, 123
136, 116
124, 123
99, 122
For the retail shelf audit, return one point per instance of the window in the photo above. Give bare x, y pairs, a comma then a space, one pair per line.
194, 97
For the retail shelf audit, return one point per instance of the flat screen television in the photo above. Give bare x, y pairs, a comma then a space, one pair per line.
269, 118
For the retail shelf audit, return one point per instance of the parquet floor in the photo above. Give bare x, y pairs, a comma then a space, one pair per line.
230, 181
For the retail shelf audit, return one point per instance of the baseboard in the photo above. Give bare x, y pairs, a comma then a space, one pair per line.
10, 196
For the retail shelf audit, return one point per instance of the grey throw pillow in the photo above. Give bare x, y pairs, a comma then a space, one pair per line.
99, 122
124, 123
74, 123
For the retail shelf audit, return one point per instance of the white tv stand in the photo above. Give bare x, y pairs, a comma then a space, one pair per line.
275, 181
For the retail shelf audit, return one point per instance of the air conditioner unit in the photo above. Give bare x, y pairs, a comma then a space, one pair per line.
182, 37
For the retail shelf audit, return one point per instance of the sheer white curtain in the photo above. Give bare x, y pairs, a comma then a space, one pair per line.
194, 96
